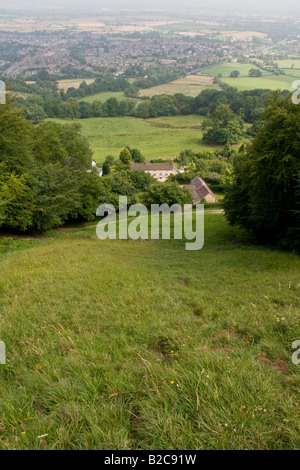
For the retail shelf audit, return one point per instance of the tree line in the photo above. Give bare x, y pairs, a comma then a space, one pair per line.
243, 105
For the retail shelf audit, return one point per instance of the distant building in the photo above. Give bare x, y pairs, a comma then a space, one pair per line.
160, 171
98, 169
200, 190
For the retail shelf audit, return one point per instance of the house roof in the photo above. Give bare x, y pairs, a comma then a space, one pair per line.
201, 187
196, 196
168, 166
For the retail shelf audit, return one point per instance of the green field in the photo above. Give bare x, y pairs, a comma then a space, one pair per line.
156, 138
294, 73
143, 345
105, 96
244, 82
196, 27
271, 82
227, 67
288, 63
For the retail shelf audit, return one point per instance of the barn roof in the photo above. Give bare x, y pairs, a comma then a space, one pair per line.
168, 166
201, 187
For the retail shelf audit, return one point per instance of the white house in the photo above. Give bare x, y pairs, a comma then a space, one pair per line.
160, 171
94, 165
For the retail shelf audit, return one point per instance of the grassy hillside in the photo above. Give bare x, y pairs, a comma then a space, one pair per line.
156, 138
143, 345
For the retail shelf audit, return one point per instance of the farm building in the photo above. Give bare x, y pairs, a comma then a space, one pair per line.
200, 190
160, 171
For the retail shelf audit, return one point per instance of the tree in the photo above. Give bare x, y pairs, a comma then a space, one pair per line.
91, 192
85, 110
126, 107
131, 92
143, 109
184, 104
167, 193
206, 98
264, 197
96, 108
16, 201
64, 144
137, 157
140, 180
227, 177
118, 183
163, 105
223, 126
255, 73
110, 160
105, 168
35, 113
125, 156
40, 172
72, 108
43, 75
56, 196
234, 74
15, 139
227, 151
111, 107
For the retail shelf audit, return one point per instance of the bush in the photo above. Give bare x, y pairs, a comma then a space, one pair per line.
166, 193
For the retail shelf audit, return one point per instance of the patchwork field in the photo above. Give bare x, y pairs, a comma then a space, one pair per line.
104, 24
244, 82
219, 29
75, 83
190, 27
156, 138
242, 35
125, 345
191, 85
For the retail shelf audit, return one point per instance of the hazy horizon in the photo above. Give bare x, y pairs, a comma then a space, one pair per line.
268, 7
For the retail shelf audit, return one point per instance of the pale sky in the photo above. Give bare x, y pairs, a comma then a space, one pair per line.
269, 7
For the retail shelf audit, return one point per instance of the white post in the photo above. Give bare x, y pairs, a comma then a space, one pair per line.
2, 353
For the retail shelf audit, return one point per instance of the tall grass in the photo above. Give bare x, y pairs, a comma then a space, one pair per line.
143, 345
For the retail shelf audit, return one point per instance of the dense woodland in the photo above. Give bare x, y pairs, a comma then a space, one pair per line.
265, 195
